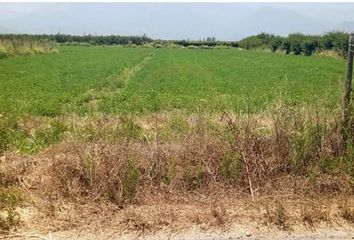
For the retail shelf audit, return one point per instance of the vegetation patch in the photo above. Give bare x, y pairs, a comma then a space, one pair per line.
131, 125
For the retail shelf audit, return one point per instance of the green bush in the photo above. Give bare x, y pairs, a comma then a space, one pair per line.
309, 47
276, 43
286, 46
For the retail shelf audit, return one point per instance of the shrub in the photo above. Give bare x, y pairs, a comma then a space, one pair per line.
286, 46
172, 45
222, 47
309, 47
192, 47
148, 45
296, 48
276, 43
205, 47
299, 43
157, 45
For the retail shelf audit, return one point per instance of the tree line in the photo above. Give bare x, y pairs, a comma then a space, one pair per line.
298, 43
89, 39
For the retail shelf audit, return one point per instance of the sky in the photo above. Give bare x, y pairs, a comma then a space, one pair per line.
225, 21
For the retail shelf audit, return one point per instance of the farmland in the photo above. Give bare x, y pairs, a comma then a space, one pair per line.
105, 133
186, 79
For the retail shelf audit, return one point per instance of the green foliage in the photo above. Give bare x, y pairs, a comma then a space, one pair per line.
46, 137
223, 80
306, 148
251, 43
3, 53
4, 135
79, 80
79, 40
309, 47
14, 136
286, 46
130, 180
52, 84
206, 42
298, 43
276, 43
296, 48
229, 166
130, 129
337, 41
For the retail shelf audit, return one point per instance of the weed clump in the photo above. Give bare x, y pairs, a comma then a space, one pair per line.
10, 198
346, 210
130, 180
312, 215
97, 172
278, 216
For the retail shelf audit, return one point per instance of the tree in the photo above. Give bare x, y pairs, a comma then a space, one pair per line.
276, 43
286, 46
309, 47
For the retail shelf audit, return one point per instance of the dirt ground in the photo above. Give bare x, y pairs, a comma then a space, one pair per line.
228, 219
237, 232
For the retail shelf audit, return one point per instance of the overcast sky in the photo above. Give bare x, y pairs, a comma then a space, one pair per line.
225, 21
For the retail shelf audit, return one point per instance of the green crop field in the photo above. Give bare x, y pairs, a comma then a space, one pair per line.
143, 80
84, 127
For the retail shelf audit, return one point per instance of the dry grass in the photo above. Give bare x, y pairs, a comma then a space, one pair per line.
104, 165
278, 216
347, 209
313, 214
22, 47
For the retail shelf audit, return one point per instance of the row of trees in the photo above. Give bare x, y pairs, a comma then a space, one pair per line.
213, 43
90, 39
298, 43
116, 40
